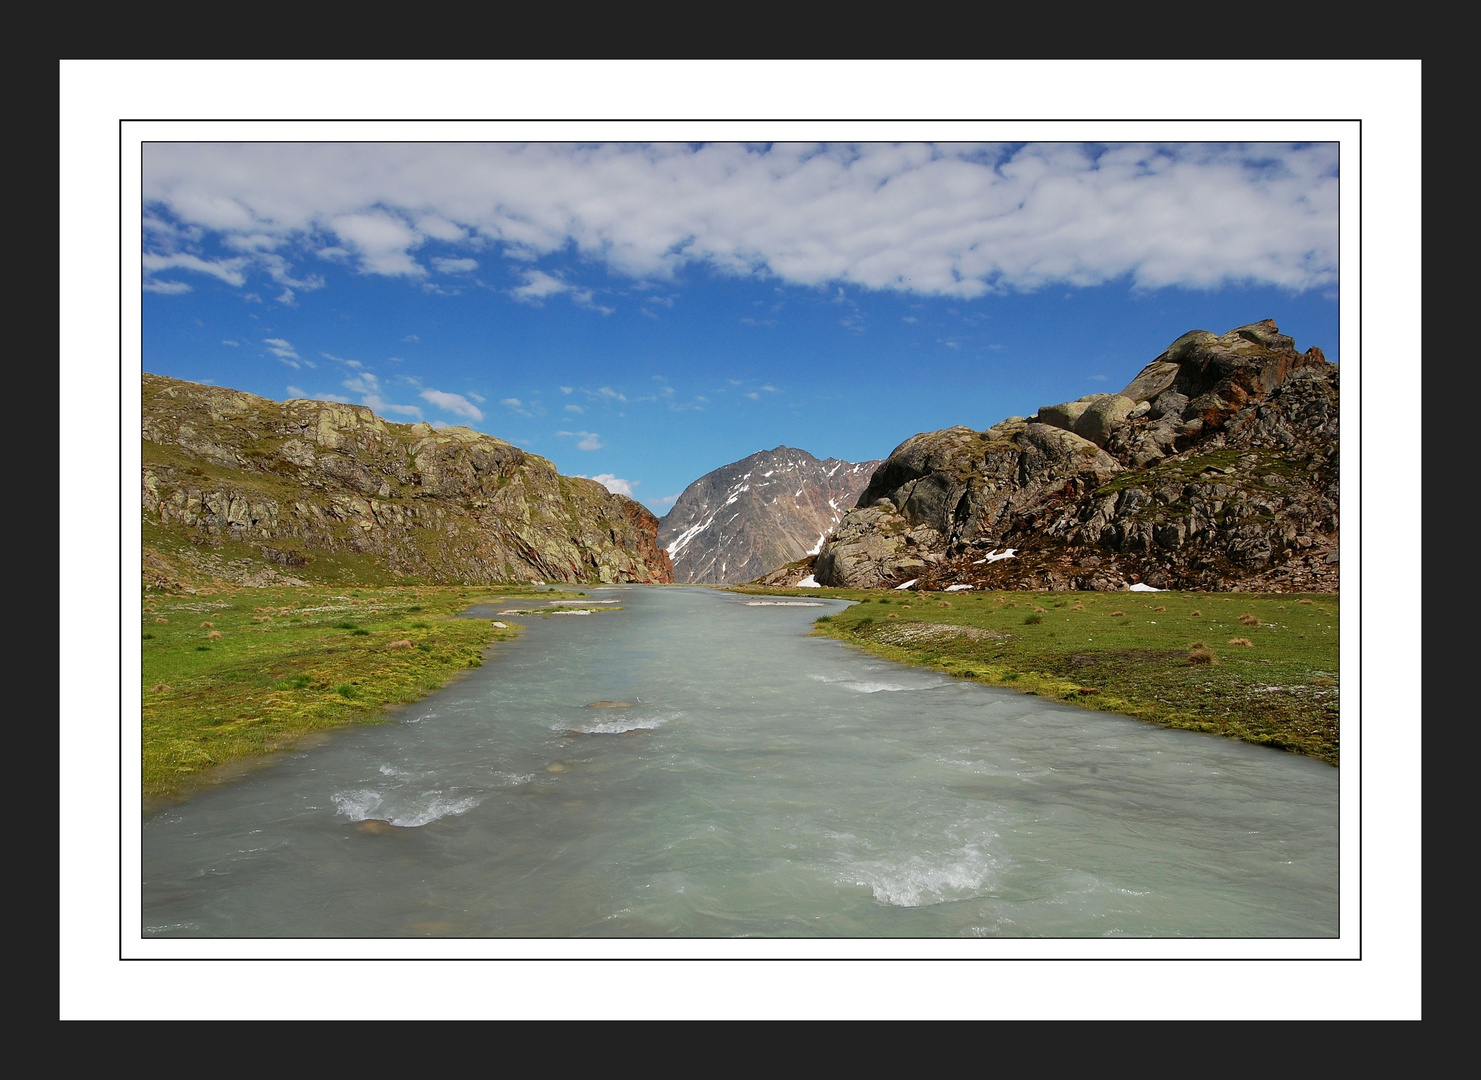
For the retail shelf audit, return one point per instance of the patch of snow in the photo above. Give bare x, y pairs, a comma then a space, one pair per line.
689, 534
994, 555
908, 585
819, 545
809, 582
957, 588
1139, 587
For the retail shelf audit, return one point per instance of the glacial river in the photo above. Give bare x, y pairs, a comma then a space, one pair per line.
749, 781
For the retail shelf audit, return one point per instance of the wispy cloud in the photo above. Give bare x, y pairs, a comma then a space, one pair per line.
615, 484
590, 440
456, 404
227, 270
166, 288
283, 350
531, 409
378, 404
537, 286
455, 266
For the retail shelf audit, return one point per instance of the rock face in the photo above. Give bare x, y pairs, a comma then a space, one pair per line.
1215, 468
744, 519
300, 482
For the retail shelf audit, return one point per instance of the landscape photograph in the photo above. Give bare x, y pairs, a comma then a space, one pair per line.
625, 545
471, 444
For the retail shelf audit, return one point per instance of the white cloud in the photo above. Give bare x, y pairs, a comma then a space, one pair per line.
377, 404
283, 350
411, 339
456, 404
531, 409
227, 270
615, 484
440, 229
952, 219
590, 440
455, 266
381, 241
286, 297
365, 382
166, 288
233, 344
574, 409
538, 285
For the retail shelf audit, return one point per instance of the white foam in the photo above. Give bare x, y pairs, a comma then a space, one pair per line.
356, 805
412, 813
785, 603
922, 880
620, 723
859, 686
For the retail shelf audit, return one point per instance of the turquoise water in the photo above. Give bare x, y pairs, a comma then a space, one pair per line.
751, 781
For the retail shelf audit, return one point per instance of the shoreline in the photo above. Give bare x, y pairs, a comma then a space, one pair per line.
1258, 667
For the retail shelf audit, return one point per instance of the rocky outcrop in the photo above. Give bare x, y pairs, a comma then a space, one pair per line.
305, 482
753, 515
1215, 468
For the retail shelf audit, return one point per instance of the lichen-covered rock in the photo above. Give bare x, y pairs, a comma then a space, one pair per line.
299, 481
1216, 468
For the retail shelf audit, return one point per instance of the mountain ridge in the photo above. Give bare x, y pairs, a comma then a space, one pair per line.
301, 488
727, 526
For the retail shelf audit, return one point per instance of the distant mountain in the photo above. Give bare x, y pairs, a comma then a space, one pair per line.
247, 490
1216, 468
774, 507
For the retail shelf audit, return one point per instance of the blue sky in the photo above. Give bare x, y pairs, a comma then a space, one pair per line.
644, 313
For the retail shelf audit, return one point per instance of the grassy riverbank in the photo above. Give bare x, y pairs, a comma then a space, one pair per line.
1257, 667
235, 673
